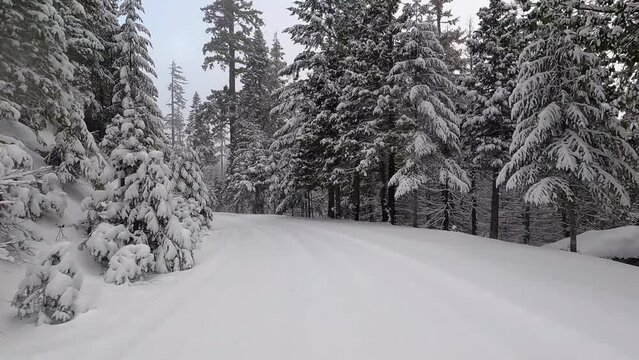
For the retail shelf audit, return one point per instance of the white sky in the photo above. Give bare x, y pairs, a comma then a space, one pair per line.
178, 33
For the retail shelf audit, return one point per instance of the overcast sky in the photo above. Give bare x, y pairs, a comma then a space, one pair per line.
178, 33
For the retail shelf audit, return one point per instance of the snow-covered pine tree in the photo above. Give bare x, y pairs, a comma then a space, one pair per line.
199, 134
177, 104
101, 19
37, 84
195, 202
428, 126
450, 35
232, 23
294, 106
364, 135
135, 74
494, 47
216, 110
140, 197
275, 82
247, 174
569, 146
321, 34
35, 72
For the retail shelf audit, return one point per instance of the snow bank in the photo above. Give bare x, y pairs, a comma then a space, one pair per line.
619, 243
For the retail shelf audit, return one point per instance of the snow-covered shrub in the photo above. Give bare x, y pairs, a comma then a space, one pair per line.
105, 241
176, 250
50, 288
129, 264
25, 193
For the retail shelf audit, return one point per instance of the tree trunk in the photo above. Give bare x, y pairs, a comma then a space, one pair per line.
527, 224
338, 201
356, 196
415, 208
572, 218
494, 208
258, 205
331, 202
473, 204
564, 223
392, 189
222, 161
446, 196
383, 193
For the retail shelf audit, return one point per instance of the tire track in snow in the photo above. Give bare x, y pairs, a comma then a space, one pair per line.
458, 292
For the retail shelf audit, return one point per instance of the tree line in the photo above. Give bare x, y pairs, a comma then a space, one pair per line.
524, 128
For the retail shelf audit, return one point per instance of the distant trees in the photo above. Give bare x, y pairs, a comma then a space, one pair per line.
177, 104
383, 114
231, 24
569, 145
494, 48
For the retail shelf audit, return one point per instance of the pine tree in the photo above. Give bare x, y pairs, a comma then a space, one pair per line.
232, 22
216, 110
199, 134
35, 71
196, 203
568, 145
101, 19
427, 125
140, 196
247, 172
322, 34
275, 82
366, 135
177, 104
494, 48
449, 34
134, 88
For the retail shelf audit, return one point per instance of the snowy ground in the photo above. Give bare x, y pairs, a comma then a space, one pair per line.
275, 288
619, 243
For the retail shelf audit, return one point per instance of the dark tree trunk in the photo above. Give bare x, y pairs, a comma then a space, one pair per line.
473, 204
446, 196
564, 223
331, 202
383, 193
415, 209
572, 218
338, 202
392, 189
494, 208
256, 201
527, 224
356, 201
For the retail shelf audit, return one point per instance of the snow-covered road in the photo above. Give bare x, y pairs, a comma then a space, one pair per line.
275, 288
